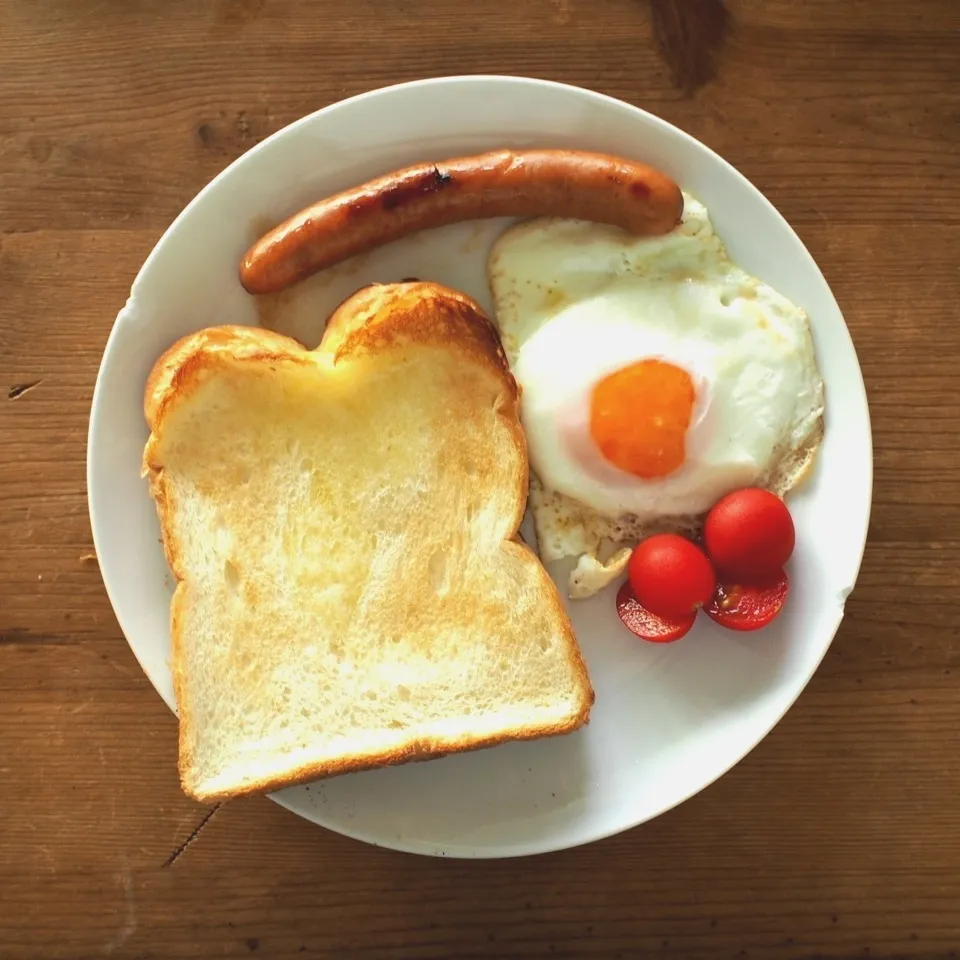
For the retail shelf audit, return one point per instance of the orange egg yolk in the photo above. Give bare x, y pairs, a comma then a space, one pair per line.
639, 417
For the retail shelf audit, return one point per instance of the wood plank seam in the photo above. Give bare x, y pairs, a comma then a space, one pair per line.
179, 850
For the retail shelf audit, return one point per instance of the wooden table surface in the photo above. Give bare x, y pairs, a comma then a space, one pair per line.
838, 837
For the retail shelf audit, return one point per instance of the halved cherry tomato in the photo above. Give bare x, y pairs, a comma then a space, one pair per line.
748, 607
671, 576
749, 535
646, 625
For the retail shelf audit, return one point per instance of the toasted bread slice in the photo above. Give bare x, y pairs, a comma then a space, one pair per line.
342, 527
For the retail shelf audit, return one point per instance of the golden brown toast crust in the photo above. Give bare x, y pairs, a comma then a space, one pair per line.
374, 319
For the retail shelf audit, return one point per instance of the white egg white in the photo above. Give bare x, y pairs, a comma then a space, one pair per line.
577, 301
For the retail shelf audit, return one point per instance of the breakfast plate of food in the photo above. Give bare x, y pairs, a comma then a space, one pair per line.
489, 423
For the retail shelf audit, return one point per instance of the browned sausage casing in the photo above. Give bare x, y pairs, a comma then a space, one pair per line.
504, 183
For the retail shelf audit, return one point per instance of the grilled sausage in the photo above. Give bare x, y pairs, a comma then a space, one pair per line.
518, 183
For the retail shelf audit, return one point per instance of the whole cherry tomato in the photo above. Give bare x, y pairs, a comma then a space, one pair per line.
749, 535
670, 576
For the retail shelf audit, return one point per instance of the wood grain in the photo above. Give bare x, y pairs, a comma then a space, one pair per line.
838, 837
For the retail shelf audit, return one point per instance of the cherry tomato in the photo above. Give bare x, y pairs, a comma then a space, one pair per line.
749, 535
742, 607
671, 576
646, 625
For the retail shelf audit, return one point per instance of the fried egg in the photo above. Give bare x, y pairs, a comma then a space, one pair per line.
657, 376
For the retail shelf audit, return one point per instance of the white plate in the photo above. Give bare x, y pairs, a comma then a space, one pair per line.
668, 719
